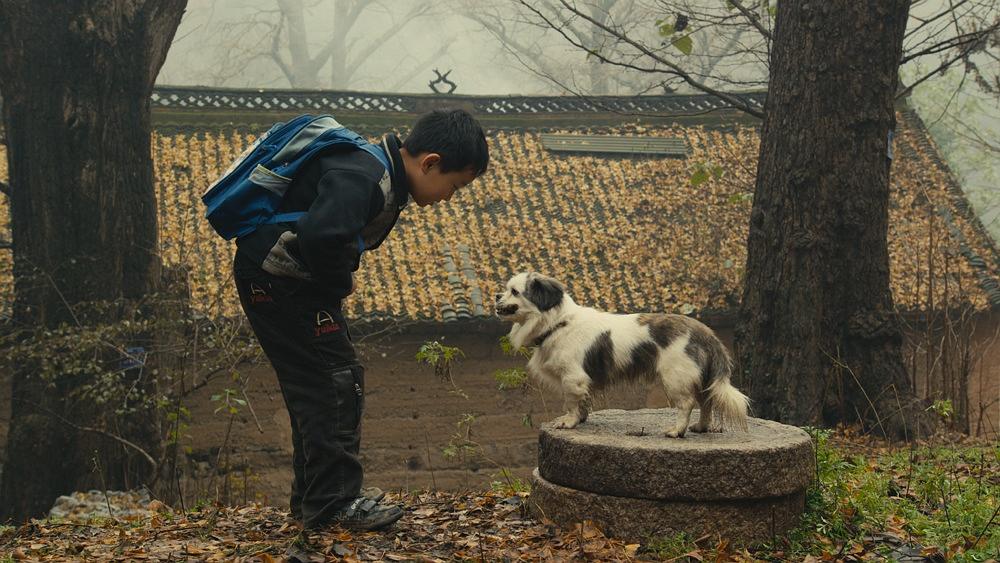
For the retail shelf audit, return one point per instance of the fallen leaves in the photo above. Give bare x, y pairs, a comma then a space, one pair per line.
437, 527
496, 526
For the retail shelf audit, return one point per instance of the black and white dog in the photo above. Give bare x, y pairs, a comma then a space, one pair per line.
579, 349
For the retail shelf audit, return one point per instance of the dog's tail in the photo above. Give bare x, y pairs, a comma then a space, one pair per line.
730, 407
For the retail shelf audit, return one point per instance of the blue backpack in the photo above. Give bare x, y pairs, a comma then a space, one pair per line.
249, 192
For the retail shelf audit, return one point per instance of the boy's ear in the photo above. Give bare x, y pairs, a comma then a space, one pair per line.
428, 161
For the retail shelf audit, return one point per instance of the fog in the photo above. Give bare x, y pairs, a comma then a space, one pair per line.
228, 43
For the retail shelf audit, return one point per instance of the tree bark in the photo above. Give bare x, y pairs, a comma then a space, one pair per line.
818, 338
77, 79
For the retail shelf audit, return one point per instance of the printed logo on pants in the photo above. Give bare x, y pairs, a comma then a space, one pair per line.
325, 323
258, 295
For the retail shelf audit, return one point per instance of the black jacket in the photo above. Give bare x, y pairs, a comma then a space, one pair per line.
351, 203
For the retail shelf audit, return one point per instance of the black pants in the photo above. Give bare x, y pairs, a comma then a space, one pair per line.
304, 335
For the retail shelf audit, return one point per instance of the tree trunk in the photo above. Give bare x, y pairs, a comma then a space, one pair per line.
818, 338
302, 70
76, 82
599, 72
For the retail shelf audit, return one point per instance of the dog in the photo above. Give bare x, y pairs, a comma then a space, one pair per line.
580, 349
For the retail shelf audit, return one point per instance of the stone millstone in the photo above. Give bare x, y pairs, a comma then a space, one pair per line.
741, 522
619, 471
625, 454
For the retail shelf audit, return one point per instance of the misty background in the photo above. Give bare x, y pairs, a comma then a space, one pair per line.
507, 48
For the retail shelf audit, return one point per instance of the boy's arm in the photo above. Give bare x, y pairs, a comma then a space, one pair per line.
328, 233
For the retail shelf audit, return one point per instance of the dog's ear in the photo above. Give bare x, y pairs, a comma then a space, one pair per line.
544, 292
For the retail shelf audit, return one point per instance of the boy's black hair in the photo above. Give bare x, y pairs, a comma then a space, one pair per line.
455, 135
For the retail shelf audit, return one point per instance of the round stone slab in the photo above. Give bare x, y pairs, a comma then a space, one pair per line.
741, 522
625, 453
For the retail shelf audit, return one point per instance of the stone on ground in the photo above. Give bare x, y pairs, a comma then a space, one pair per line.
618, 470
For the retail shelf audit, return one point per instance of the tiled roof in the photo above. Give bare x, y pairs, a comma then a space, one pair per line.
625, 233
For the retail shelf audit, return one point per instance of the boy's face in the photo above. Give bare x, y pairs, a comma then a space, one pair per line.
428, 185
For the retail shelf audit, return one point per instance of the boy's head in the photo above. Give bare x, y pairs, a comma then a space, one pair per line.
445, 151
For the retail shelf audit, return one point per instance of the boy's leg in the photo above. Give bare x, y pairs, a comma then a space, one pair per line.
305, 337
298, 470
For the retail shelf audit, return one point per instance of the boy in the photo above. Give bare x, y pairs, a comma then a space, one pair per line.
291, 278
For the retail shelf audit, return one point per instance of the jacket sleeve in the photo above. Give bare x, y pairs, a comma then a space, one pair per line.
329, 234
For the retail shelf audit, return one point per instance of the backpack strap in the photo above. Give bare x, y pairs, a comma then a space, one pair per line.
290, 217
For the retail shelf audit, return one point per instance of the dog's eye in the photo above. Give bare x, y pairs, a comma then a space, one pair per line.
513, 292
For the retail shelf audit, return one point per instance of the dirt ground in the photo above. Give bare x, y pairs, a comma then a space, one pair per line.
410, 418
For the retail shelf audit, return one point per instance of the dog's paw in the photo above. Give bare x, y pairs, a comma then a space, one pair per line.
566, 421
674, 434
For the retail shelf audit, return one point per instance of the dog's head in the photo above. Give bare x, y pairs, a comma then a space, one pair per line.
527, 294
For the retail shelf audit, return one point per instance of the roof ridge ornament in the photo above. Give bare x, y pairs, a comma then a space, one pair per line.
442, 78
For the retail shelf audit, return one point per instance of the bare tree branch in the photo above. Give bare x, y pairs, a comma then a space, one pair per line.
940, 68
925, 22
419, 67
732, 100
363, 54
117, 438
345, 15
276, 51
958, 41
753, 18
511, 43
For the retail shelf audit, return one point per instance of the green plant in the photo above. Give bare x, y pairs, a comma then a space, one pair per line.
513, 378
442, 358
942, 408
670, 547
508, 348
228, 401
509, 485
439, 356
461, 443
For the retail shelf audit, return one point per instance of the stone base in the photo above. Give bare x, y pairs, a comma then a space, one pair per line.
618, 470
632, 519
625, 454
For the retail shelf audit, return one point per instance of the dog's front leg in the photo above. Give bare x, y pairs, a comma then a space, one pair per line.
521, 333
514, 330
576, 391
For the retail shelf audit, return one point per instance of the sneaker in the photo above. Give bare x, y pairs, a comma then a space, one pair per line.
364, 514
374, 493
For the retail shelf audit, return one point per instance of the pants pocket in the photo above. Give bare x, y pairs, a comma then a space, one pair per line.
349, 392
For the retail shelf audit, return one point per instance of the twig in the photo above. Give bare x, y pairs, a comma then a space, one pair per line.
123, 441
753, 18
250, 406
878, 418
987, 526
430, 465
218, 458
940, 68
732, 100
104, 485
395, 326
